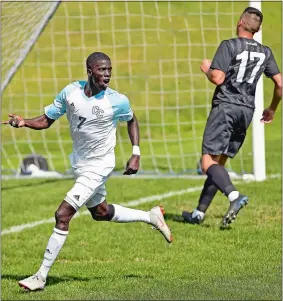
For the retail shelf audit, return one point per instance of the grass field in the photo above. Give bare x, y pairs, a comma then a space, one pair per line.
105, 261
156, 51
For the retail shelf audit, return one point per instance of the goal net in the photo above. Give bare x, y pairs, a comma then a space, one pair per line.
156, 50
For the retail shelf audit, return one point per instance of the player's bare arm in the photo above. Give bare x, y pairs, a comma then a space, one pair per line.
38, 123
268, 113
215, 76
133, 130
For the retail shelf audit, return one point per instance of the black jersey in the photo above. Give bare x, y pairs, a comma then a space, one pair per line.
243, 61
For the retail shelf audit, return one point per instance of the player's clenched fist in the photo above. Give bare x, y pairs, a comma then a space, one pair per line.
132, 166
15, 121
267, 115
205, 65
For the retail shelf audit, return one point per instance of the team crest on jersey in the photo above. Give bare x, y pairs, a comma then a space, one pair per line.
72, 106
97, 111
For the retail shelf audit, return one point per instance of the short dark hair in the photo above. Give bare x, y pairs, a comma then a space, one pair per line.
255, 11
95, 57
253, 25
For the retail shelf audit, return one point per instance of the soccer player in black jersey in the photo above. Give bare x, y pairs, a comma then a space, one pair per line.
235, 70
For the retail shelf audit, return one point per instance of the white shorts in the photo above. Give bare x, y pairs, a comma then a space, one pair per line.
89, 190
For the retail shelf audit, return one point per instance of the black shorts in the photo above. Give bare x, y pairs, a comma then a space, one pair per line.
226, 129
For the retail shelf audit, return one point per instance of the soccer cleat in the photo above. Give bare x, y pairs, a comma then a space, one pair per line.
234, 209
33, 283
158, 222
188, 218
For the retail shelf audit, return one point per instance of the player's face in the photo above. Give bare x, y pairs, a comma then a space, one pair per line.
100, 74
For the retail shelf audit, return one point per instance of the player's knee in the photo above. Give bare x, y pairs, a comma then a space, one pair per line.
204, 161
204, 167
207, 161
103, 213
62, 217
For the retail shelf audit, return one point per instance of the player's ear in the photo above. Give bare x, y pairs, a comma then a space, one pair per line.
89, 72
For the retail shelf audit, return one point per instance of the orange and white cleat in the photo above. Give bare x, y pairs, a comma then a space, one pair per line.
158, 222
33, 283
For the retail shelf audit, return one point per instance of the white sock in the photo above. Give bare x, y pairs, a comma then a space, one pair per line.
127, 215
233, 195
198, 213
54, 245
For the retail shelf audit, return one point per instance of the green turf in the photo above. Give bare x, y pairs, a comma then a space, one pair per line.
103, 261
143, 67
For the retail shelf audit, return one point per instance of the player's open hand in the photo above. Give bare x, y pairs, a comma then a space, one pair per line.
205, 65
267, 115
132, 166
16, 121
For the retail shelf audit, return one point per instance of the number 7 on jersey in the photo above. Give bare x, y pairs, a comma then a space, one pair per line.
82, 119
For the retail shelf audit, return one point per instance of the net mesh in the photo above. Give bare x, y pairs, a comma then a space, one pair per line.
156, 50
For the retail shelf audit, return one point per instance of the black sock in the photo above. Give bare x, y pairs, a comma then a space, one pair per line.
221, 178
208, 192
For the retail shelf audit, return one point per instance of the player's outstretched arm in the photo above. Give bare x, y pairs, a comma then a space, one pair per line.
133, 130
37, 123
268, 113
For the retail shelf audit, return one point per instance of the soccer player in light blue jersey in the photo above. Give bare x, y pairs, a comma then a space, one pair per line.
93, 110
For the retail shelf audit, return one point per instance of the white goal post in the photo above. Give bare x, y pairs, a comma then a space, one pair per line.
23, 42
259, 168
156, 49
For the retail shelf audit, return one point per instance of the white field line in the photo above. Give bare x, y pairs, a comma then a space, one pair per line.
137, 202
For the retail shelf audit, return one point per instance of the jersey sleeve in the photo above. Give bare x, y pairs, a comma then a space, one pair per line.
222, 57
58, 107
271, 68
124, 112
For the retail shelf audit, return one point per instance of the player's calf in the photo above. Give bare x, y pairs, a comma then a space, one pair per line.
120, 214
102, 212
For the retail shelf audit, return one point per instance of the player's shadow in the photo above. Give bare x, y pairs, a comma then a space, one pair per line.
52, 280
227, 228
178, 218
138, 276
174, 217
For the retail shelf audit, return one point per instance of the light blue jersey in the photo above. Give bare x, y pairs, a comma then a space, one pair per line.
93, 122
